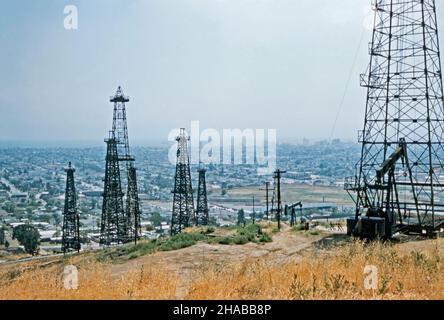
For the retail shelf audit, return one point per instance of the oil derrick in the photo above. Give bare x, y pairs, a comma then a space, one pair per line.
267, 191
131, 224
276, 200
113, 215
120, 126
133, 207
183, 203
397, 182
253, 214
202, 212
71, 232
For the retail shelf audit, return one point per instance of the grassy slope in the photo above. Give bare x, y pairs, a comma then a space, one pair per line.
331, 273
232, 235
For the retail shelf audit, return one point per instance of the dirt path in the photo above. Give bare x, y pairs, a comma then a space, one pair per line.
421, 245
286, 246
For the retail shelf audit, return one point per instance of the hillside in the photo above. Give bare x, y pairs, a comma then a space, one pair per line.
294, 265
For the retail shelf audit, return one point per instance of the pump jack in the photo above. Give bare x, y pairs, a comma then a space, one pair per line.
383, 214
292, 210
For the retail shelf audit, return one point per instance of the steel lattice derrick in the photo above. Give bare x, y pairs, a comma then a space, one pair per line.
276, 199
404, 103
183, 203
71, 231
133, 207
120, 126
131, 225
112, 229
202, 212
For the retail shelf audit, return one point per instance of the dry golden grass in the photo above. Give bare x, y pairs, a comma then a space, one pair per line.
95, 282
325, 274
333, 274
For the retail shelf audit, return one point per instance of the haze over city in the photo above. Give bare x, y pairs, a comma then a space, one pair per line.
288, 65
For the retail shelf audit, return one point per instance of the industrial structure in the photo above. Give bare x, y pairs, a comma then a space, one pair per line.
253, 214
291, 210
267, 192
183, 202
120, 224
276, 202
71, 224
134, 229
398, 185
112, 229
202, 212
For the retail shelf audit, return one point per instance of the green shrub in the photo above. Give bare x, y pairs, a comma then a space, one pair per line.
265, 237
243, 235
209, 230
133, 256
241, 239
299, 227
225, 240
181, 240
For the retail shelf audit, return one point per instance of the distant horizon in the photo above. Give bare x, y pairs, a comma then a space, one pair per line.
229, 64
74, 143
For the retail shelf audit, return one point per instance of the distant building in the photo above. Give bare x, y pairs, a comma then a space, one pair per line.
3, 213
93, 193
163, 228
45, 236
4, 194
19, 196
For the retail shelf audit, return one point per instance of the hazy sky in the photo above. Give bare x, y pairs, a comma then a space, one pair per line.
280, 64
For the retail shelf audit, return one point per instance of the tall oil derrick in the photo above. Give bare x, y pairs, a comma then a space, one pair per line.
71, 224
276, 200
134, 229
253, 214
183, 203
202, 212
120, 126
267, 191
397, 181
112, 229
131, 224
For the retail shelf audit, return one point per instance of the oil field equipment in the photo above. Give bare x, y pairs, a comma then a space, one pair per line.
183, 202
267, 192
120, 224
112, 230
276, 199
71, 224
291, 210
202, 212
398, 185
